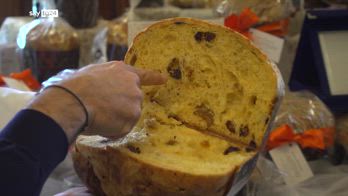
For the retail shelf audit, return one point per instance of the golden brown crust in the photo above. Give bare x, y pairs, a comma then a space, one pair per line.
193, 21
85, 171
121, 174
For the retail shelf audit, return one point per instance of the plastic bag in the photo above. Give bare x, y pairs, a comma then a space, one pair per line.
271, 16
59, 77
305, 119
9, 60
10, 28
268, 180
87, 42
47, 46
98, 51
266, 10
111, 42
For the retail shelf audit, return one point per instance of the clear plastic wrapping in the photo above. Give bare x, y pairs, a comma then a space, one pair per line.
267, 179
47, 46
9, 60
270, 16
65, 74
266, 10
303, 110
87, 42
110, 42
10, 28
309, 119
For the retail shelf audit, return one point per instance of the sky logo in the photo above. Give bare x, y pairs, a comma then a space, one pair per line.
45, 13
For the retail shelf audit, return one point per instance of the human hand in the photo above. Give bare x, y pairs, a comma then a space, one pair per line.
110, 92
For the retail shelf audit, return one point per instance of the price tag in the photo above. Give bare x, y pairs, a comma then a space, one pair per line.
290, 160
271, 45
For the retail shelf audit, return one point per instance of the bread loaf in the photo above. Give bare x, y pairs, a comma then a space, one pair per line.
196, 131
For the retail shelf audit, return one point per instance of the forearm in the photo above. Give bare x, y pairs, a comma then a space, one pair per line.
63, 108
31, 146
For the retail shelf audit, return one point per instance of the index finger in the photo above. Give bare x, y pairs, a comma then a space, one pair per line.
150, 77
147, 77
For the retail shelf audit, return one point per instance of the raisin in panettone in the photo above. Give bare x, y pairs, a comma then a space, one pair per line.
196, 132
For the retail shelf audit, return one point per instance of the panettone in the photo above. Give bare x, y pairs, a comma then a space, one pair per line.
118, 31
117, 38
49, 45
198, 129
52, 35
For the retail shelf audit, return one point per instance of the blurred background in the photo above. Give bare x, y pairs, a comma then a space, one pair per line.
306, 39
108, 9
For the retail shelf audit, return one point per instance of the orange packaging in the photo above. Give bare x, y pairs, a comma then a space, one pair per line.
27, 77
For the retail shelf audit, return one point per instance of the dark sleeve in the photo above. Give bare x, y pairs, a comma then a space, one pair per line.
31, 146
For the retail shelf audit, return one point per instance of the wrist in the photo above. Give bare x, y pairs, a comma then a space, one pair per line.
63, 108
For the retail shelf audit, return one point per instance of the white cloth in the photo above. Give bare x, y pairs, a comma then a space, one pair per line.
11, 101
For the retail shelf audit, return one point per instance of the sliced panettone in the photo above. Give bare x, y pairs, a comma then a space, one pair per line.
198, 133
163, 160
217, 80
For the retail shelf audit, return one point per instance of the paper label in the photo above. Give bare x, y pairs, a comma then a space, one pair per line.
16, 84
290, 160
271, 45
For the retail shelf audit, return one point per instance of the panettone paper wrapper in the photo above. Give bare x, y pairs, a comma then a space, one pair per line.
243, 174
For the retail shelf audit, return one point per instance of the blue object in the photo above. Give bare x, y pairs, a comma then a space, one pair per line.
309, 70
31, 146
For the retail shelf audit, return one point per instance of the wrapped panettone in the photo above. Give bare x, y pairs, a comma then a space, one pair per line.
198, 134
47, 46
117, 37
303, 118
266, 10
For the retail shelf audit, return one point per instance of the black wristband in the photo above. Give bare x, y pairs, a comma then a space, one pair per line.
77, 98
